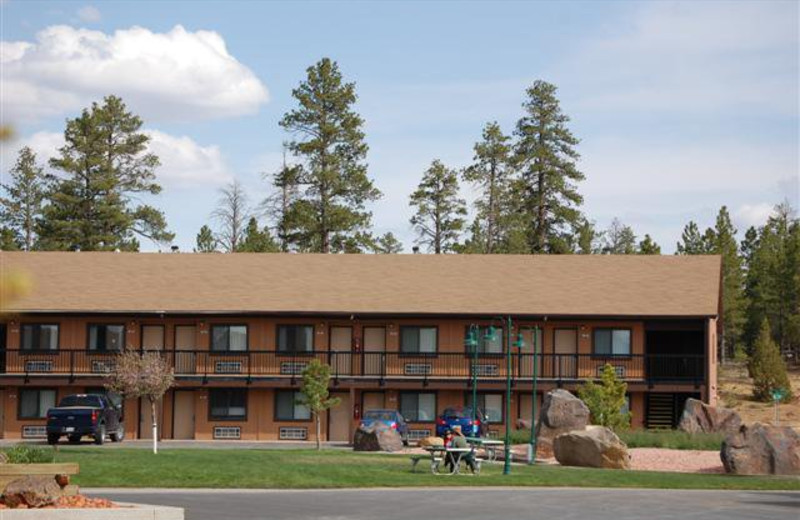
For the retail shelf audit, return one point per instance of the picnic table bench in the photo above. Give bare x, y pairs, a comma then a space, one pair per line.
438, 454
490, 446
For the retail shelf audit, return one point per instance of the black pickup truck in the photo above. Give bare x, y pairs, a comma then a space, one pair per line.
81, 415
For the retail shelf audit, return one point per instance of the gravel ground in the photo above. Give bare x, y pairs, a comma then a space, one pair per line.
681, 461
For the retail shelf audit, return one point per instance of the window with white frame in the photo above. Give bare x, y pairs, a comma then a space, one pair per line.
418, 340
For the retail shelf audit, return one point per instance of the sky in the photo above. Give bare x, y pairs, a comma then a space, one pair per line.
681, 107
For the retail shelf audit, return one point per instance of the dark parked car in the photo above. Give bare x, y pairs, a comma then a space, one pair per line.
82, 415
462, 416
391, 418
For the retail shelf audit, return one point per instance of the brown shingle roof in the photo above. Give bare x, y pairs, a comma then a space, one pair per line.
360, 284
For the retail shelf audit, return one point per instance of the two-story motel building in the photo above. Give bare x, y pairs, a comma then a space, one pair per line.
238, 330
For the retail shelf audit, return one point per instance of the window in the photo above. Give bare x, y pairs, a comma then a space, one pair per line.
612, 342
418, 340
106, 338
492, 345
289, 407
418, 407
490, 404
36, 336
229, 338
34, 403
295, 338
228, 404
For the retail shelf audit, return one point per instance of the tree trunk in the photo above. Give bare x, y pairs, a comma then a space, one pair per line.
316, 420
155, 425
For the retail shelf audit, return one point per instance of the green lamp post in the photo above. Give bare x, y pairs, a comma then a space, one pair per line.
532, 442
472, 344
519, 343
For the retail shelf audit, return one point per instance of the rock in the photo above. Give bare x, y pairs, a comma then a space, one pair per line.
594, 447
377, 437
32, 491
699, 417
762, 450
62, 481
561, 412
431, 441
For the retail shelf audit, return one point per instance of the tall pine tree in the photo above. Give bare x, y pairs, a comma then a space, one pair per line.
692, 242
205, 241
546, 157
257, 240
491, 173
104, 167
332, 175
21, 209
619, 239
648, 246
439, 211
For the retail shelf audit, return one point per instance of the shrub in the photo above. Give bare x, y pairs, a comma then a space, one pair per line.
606, 400
672, 439
767, 368
27, 454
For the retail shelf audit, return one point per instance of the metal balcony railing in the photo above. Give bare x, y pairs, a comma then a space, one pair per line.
677, 368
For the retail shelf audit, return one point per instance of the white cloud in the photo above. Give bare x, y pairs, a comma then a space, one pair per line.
173, 75
89, 14
184, 162
753, 214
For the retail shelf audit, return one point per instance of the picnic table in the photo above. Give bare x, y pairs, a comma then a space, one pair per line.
438, 456
490, 446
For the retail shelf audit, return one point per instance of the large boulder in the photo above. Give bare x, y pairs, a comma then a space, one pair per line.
377, 437
561, 412
594, 447
32, 491
699, 417
761, 449
430, 441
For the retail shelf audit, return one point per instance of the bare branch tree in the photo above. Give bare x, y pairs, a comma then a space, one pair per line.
231, 215
145, 375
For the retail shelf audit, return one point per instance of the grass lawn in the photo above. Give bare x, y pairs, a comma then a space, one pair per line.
286, 469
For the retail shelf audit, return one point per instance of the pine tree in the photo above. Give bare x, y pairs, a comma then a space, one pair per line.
545, 155
231, 213
491, 173
205, 242
105, 166
587, 239
722, 241
767, 368
388, 244
772, 284
619, 239
257, 241
21, 210
606, 400
9, 241
332, 175
278, 206
692, 242
648, 246
439, 212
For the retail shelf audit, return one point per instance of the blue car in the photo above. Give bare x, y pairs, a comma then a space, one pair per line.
462, 416
390, 418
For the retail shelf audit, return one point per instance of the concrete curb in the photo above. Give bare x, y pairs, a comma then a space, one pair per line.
127, 511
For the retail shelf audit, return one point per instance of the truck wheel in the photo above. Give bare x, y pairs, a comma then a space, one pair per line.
52, 438
118, 435
100, 435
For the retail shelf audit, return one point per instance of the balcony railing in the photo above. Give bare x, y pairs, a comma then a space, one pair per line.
368, 365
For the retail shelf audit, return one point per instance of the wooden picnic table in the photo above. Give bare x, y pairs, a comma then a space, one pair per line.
438, 456
490, 446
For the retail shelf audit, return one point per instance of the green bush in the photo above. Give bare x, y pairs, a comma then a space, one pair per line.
672, 439
767, 368
28, 454
521, 436
606, 400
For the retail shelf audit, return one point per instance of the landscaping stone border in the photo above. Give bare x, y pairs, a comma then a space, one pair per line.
126, 511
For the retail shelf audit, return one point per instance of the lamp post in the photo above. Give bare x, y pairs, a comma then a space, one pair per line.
519, 343
532, 442
472, 343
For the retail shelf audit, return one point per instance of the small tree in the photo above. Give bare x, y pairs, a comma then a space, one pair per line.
142, 375
205, 242
314, 389
606, 400
767, 368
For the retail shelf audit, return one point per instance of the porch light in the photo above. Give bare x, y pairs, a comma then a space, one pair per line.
520, 342
471, 341
489, 336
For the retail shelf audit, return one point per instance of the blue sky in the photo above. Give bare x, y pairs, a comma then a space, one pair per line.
680, 106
